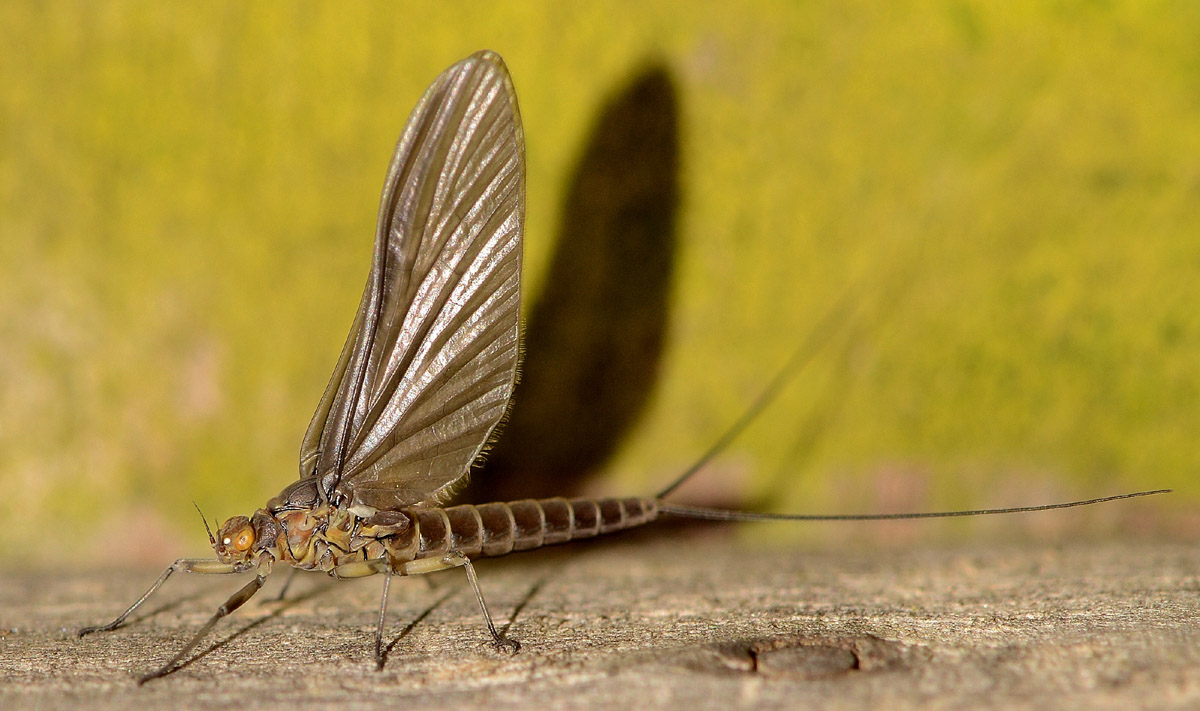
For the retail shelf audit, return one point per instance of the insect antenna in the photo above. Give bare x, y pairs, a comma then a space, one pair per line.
799, 358
207, 530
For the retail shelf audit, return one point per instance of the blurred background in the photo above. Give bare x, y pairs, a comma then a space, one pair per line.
979, 221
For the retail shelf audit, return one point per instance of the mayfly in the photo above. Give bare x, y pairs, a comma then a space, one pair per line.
424, 378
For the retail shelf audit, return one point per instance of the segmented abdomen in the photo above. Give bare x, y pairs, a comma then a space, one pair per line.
503, 527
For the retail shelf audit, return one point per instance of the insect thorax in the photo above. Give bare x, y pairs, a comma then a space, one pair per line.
316, 536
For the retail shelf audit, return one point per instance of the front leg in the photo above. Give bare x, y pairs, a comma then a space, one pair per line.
203, 566
235, 601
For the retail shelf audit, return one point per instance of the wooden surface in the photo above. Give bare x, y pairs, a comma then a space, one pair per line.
638, 623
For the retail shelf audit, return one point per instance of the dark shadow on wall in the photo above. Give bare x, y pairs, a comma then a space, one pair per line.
594, 339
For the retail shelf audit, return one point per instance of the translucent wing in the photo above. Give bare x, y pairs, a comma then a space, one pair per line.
431, 359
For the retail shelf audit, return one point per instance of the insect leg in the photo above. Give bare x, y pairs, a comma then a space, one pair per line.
361, 569
454, 560
286, 584
387, 582
235, 601
187, 565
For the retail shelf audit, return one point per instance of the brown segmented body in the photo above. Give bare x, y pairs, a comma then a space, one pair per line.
324, 538
500, 528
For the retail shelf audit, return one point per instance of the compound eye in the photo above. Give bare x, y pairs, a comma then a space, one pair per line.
244, 539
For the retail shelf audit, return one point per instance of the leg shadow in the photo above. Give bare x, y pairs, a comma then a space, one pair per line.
280, 608
413, 624
520, 607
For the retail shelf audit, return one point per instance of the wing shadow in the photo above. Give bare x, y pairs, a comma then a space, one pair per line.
595, 337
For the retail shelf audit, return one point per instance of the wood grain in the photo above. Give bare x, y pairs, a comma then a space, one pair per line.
695, 622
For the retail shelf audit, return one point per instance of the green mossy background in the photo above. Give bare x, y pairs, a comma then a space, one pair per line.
1010, 192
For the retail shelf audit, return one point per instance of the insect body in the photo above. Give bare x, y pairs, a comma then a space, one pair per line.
424, 377
411, 540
